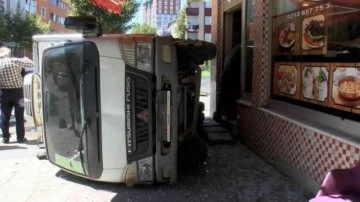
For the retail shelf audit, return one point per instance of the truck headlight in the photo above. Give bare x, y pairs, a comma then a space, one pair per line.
138, 52
144, 57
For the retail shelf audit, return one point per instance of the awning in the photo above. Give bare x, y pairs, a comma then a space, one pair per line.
113, 6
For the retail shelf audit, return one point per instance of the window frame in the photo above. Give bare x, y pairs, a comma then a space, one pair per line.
246, 62
43, 12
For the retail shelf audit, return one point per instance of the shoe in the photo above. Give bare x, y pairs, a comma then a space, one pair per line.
5, 140
22, 140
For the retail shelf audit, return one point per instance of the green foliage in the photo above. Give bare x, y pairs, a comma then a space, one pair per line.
4, 33
20, 26
180, 25
207, 65
110, 22
143, 28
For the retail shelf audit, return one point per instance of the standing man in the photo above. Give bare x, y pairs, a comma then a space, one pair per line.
11, 93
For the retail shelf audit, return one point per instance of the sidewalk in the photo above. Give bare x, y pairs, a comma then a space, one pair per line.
231, 173
25, 178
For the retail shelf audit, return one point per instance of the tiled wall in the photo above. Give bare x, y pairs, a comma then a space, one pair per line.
311, 152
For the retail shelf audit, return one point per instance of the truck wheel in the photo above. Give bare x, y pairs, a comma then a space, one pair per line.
201, 114
191, 154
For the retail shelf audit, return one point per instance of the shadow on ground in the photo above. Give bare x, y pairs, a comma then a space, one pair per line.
231, 173
10, 147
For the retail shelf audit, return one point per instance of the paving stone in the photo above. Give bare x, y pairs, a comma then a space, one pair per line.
15, 196
58, 195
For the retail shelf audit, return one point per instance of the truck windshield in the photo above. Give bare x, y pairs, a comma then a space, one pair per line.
63, 107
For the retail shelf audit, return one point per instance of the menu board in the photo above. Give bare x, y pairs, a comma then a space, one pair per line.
345, 87
301, 32
310, 47
315, 83
334, 85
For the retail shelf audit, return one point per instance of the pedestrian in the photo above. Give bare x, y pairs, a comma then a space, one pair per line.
11, 93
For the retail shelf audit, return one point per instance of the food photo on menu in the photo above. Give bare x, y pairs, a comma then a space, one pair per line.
315, 83
313, 32
286, 37
287, 78
346, 86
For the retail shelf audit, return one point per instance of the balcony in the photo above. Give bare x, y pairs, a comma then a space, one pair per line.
192, 11
207, 29
192, 28
207, 11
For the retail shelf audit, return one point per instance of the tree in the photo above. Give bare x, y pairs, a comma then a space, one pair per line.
180, 25
143, 28
4, 33
110, 22
20, 26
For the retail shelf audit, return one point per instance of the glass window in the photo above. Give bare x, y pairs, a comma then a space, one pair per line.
315, 49
63, 107
249, 47
52, 16
208, 20
43, 12
207, 4
207, 37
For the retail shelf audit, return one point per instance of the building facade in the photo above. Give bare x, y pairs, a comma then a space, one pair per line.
160, 13
198, 20
291, 109
11, 5
53, 12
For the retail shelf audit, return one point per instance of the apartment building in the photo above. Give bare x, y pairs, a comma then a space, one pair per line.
160, 13
198, 20
54, 12
11, 5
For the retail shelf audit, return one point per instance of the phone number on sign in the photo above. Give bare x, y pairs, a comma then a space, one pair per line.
308, 11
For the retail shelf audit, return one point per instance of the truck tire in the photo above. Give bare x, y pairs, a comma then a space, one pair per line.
191, 154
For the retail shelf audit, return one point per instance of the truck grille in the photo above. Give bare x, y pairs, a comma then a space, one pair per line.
142, 113
138, 115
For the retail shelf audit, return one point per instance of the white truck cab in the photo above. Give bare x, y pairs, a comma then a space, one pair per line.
116, 108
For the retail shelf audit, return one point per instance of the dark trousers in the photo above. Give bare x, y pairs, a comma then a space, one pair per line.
12, 98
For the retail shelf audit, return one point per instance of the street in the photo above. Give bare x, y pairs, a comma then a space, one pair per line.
231, 173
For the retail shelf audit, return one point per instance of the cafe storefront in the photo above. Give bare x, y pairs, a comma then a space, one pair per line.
299, 105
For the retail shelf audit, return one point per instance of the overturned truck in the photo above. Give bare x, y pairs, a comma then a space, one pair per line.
117, 108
